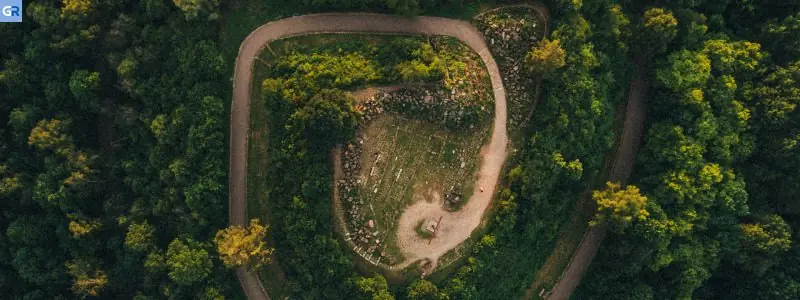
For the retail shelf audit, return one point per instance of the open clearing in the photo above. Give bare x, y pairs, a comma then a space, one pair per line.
402, 162
492, 155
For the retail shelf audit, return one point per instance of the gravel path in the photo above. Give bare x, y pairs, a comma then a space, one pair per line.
492, 155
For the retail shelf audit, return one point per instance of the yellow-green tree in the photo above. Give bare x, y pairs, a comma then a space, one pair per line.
239, 246
140, 236
80, 226
659, 28
76, 9
87, 281
51, 135
424, 290
375, 288
196, 8
763, 242
188, 262
619, 207
9, 182
545, 57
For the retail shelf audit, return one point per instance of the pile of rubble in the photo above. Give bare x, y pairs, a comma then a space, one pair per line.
455, 109
348, 189
370, 108
452, 200
363, 232
510, 37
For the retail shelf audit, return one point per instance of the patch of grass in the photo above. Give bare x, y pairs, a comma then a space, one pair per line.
403, 162
567, 241
421, 231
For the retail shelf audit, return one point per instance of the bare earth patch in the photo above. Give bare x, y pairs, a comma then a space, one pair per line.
395, 163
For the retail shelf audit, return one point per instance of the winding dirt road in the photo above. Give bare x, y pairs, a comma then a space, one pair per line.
493, 154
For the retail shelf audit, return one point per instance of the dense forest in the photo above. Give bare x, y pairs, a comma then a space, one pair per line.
113, 161
719, 164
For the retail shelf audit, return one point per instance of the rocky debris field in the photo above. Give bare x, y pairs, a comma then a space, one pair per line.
454, 109
510, 34
363, 232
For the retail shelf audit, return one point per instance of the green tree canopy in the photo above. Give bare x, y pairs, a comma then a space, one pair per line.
545, 57
685, 70
619, 207
187, 262
328, 117
763, 242
140, 236
424, 290
374, 288
193, 9
659, 27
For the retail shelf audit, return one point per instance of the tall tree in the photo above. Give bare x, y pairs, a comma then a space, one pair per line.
187, 262
545, 57
240, 246
619, 207
658, 28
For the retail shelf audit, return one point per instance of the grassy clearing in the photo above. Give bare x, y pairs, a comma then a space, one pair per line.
405, 161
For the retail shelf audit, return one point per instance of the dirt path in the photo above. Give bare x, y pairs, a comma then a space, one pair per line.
493, 155
620, 172
455, 227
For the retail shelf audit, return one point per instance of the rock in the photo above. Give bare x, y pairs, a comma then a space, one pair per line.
371, 224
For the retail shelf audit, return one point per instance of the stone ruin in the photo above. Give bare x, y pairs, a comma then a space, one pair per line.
453, 199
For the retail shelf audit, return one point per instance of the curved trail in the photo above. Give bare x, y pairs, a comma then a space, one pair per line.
492, 155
